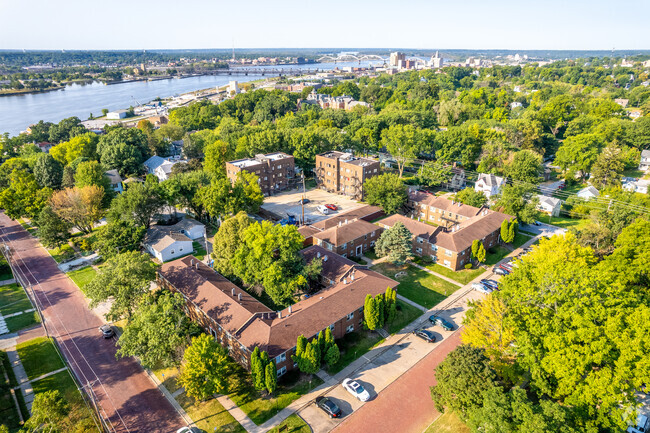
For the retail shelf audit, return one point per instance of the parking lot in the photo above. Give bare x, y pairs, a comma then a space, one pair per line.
384, 369
289, 203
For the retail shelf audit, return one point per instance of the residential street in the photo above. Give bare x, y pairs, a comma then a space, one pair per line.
128, 398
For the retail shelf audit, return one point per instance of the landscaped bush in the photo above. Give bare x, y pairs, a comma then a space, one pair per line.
468, 266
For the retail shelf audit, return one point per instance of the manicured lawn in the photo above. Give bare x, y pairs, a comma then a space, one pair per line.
39, 356
199, 250
520, 239
371, 254
63, 383
168, 377
22, 321
13, 299
419, 286
8, 410
294, 424
5, 270
83, 276
353, 346
498, 253
209, 416
463, 276
448, 422
63, 253
565, 222
405, 314
260, 409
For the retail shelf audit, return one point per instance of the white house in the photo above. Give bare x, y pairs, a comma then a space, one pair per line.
166, 244
152, 163
190, 228
549, 205
636, 185
489, 184
515, 104
160, 167
645, 160
588, 193
116, 180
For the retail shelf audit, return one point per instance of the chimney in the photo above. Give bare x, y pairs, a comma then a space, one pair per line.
345, 280
239, 296
191, 262
197, 265
352, 275
233, 292
279, 314
290, 309
318, 255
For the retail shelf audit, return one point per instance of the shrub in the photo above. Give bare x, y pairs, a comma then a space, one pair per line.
468, 266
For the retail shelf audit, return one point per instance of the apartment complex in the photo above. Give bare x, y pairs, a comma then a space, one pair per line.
276, 171
366, 213
344, 173
452, 227
240, 322
350, 238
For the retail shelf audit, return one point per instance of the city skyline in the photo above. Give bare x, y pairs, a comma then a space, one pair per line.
552, 25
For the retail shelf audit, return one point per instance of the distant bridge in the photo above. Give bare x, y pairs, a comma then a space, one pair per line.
263, 71
346, 57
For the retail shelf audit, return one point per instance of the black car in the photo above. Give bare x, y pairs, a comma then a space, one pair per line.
304, 201
107, 331
490, 283
436, 320
425, 335
328, 406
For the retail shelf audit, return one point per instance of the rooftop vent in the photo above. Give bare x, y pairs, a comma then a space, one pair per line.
325, 258
290, 309
345, 280
191, 262
239, 297
232, 291
279, 314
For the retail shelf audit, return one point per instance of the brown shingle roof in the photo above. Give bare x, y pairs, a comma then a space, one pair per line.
339, 235
422, 197
358, 213
416, 227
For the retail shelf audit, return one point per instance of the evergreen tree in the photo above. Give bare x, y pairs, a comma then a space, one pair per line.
257, 370
310, 360
481, 253
512, 230
301, 344
372, 313
322, 344
475, 246
329, 338
271, 377
52, 230
380, 304
333, 355
505, 234
396, 243
391, 304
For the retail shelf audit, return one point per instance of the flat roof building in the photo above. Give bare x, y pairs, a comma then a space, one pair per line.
344, 173
276, 171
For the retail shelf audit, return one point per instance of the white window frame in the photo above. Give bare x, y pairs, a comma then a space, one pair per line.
349, 329
351, 316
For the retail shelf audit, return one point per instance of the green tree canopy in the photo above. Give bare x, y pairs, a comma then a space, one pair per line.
206, 368
386, 190
471, 197
396, 243
124, 149
48, 171
519, 200
53, 231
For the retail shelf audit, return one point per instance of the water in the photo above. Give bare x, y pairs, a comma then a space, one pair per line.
19, 111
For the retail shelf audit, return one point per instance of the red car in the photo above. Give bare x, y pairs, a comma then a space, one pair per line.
331, 207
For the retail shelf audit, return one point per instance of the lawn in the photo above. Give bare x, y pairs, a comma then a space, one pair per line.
294, 424
371, 254
566, 222
463, 276
497, 253
13, 299
419, 286
260, 409
82, 276
5, 270
27, 226
63, 383
448, 422
405, 314
209, 415
521, 239
168, 377
39, 356
199, 250
8, 410
62, 253
22, 321
353, 346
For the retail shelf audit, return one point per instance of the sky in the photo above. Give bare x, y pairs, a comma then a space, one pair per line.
417, 24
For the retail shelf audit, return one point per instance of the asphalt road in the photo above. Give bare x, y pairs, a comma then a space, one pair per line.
126, 395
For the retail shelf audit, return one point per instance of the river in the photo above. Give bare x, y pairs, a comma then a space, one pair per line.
17, 112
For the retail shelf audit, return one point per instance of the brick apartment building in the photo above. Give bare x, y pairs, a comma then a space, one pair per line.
350, 238
275, 170
366, 213
449, 243
439, 210
240, 322
344, 173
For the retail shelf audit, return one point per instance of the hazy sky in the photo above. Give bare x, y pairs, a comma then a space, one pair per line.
479, 24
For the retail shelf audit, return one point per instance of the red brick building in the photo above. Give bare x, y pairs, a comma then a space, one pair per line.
240, 322
349, 239
276, 171
344, 173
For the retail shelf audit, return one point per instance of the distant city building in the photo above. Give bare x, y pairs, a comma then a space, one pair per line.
436, 61
334, 102
276, 171
116, 115
233, 88
396, 57
344, 173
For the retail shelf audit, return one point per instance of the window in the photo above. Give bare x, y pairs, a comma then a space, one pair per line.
282, 371
351, 316
447, 263
349, 329
433, 258
422, 215
434, 247
372, 234
418, 250
344, 246
372, 244
361, 310
420, 240
281, 358
332, 327
448, 253
365, 237
345, 255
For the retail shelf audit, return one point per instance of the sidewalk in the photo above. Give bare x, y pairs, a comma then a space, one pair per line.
21, 377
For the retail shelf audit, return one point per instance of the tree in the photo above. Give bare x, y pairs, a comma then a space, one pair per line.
50, 411
475, 247
396, 243
157, 333
435, 173
373, 313
403, 142
118, 236
139, 203
81, 207
84, 145
53, 231
48, 171
24, 196
257, 369
227, 240
181, 189
461, 379
126, 278
216, 155
271, 377
123, 149
526, 166
322, 345
329, 338
519, 200
607, 169
480, 253
92, 173
386, 190
65, 130
471, 197
332, 355
390, 297
205, 369
508, 231
310, 359
579, 152
301, 345
221, 198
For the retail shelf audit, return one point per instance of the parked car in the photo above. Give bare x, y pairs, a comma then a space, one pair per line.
189, 430
437, 320
354, 388
537, 223
500, 271
427, 336
641, 425
107, 331
490, 283
482, 288
328, 406
304, 201
322, 209
507, 266
331, 207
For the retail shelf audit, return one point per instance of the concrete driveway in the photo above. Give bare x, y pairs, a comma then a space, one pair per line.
543, 229
289, 203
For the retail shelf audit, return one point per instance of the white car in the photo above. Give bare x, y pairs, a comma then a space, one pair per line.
482, 288
322, 209
354, 388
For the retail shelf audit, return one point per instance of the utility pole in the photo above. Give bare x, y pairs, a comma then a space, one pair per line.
302, 202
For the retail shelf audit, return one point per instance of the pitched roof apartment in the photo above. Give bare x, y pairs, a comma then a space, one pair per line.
443, 204
344, 233
253, 324
364, 212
